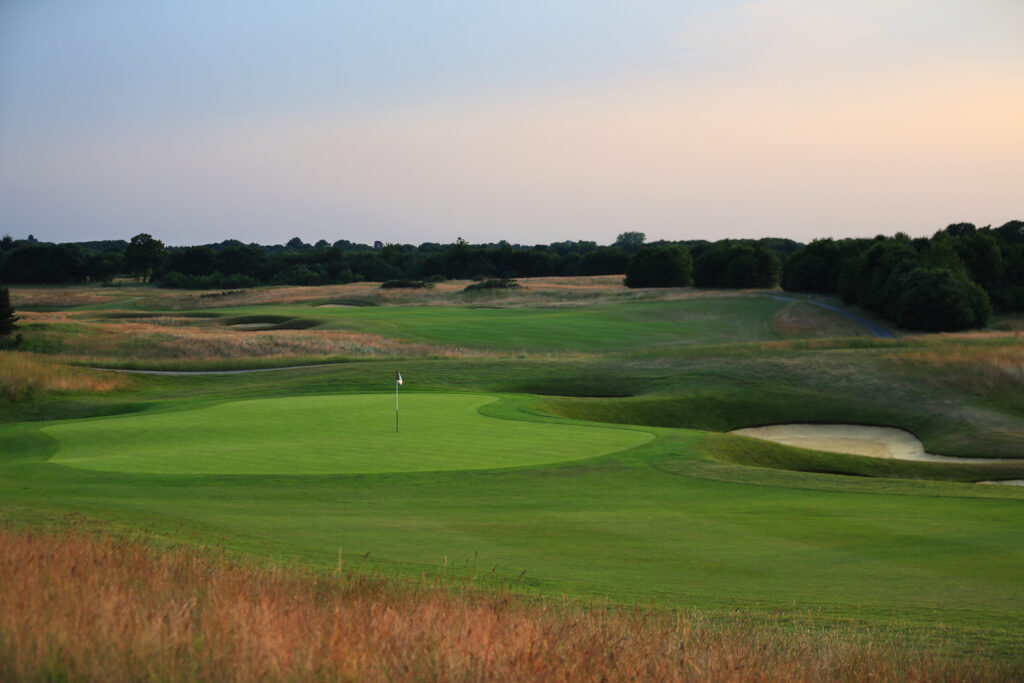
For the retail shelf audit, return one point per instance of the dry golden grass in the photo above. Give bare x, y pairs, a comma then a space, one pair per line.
541, 291
173, 338
24, 374
143, 340
64, 297
532, 292
987, 369
81, 607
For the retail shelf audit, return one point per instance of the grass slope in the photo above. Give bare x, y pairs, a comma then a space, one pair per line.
594, 328
678, 521
662, 522
326, 435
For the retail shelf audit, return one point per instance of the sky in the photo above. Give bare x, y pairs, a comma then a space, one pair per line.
532, 122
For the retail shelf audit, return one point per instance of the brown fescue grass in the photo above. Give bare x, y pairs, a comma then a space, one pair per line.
983, 364
25, 374
146, 341
62, 297
75, 606
541, 291
173, 339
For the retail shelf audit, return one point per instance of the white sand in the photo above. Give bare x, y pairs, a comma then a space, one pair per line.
876, 442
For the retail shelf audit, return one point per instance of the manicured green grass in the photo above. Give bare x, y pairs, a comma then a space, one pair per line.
661, 522
544, 499
327, 435
603, 327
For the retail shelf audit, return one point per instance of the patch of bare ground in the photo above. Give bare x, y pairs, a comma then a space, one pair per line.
84, 607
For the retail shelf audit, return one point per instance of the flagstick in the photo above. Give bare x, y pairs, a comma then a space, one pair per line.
396, 406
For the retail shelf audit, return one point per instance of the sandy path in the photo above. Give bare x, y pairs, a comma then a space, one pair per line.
876, 442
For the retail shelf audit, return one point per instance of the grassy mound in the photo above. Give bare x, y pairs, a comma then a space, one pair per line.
327, 435
271, 322
593, 328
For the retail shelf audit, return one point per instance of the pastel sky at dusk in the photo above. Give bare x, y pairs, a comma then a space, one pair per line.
414, 122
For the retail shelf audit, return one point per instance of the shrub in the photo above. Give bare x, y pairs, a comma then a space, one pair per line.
215, 280
499, 283
405, 284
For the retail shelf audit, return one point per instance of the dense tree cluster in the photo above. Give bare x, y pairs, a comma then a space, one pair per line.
32, 262
737, 264
727, 263
949, 282
669, 265
232, 264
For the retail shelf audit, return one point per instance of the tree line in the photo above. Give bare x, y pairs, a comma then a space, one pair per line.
951, 281
232, 264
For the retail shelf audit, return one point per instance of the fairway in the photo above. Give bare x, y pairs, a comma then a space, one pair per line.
603, 475
327, 435
605, 327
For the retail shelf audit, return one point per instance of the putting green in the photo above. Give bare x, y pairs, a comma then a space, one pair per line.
328, 435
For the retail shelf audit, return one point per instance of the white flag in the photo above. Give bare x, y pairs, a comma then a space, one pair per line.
398, 376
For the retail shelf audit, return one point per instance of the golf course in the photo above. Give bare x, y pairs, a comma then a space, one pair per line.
569, 441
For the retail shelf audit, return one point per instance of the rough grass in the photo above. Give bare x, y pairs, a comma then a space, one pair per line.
74, 606
23, 375
756, 453
984, 369
803, 321
126, 342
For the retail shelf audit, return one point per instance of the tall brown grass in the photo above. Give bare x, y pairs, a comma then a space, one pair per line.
61, 297
80, 607
23, 374
986, 369
170, 338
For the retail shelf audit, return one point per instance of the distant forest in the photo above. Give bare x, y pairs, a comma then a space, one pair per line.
953, 280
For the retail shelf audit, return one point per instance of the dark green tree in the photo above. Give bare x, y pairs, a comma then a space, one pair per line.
143, 255
737, 264
666, 266
630, 242
938, 300
981, 254
7, 317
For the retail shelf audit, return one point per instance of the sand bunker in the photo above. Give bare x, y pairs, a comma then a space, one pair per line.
875, 442
252, 326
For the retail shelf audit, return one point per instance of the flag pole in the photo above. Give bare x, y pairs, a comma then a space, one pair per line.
398, 380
